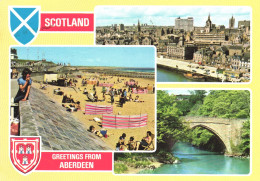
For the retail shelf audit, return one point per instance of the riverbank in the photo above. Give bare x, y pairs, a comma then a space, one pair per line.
197, 161
186, 67
133, 170
165, 74
136, 163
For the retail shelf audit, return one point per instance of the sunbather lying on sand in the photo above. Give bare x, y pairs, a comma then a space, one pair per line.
100, 133
137, 99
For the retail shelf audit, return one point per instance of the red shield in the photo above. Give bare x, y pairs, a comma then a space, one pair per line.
25, 153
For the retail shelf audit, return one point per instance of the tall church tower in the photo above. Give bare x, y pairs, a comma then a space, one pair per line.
138, 26
231, 22
208, 26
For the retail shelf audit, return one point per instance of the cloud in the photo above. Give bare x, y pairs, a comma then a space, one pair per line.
165, 15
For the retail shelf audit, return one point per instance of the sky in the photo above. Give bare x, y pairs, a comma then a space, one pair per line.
165, 15
92, 56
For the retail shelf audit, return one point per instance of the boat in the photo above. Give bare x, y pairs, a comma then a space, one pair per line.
194, 76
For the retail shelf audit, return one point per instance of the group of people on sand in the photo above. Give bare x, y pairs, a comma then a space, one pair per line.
112, 92
123, 145
73, 106
70, 83
123, 97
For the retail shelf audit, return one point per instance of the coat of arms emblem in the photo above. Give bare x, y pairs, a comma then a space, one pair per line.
24, 23
25, 153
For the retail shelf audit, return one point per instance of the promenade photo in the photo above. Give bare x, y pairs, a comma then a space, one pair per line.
84, 98
194, 43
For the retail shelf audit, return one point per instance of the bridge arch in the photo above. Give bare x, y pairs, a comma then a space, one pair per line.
213, 131
227, 130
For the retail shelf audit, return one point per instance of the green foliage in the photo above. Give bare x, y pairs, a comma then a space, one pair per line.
245, 143
194, 110
120, 168
196, 98
138, 160
165, 157
169, 126
226, 104
200, 136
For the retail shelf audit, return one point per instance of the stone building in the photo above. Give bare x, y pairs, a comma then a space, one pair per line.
208, 26
184, 52
235, 50
14, 53
231, 22
243, 24
121, 27
184, 24
209, 37
138, 26
240, 63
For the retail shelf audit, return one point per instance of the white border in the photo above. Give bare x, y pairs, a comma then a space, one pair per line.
205, 6
86, 151
251, 138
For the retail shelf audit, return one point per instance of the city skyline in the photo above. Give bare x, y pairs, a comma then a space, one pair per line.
139, 57
165, 16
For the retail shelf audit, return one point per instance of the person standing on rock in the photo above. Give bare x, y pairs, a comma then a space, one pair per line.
24, 83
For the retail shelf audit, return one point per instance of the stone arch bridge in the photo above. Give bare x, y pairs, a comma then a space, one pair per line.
227, 130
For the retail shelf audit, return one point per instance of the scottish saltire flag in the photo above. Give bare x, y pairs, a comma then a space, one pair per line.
24, 23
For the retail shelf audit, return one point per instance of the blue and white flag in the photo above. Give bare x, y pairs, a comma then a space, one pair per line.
24, 23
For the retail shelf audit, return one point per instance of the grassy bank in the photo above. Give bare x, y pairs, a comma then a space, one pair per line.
134, 163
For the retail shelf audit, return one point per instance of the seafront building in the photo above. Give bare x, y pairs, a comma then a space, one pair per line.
226, 48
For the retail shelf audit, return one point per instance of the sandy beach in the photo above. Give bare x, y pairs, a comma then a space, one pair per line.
129, 108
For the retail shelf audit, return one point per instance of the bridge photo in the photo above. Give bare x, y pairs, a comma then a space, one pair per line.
198, 132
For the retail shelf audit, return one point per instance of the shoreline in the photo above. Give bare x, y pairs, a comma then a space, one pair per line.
133, 170
181, 72
186, 67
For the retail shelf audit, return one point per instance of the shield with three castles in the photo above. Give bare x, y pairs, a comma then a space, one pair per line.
24, 23
25, 153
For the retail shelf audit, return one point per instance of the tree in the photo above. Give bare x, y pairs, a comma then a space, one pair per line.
245, 143
197, 96
169, 126
226, 104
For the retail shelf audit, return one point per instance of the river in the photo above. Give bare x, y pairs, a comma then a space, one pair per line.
164, 75
196, 161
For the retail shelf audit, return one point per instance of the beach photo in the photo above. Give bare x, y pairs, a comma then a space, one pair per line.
194, 43
199, 131
84, 97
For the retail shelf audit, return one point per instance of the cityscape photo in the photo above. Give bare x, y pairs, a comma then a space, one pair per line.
194, 44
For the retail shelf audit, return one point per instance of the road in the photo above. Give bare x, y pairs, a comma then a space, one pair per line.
184, 66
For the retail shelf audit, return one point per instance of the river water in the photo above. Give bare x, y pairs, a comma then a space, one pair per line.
164, 75
196, 161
